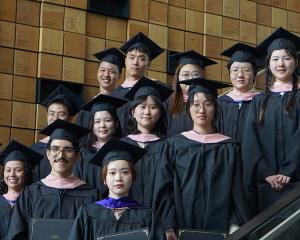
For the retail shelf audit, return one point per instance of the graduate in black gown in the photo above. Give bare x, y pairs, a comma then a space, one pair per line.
60, 194
190, 64
147, 128
140, 51
271, 149
18, 160
234, 105
62, 104
109, 72
117, 213
104, 124
202, 169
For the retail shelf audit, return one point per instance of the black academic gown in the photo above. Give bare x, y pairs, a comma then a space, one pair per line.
41, 201
43, 168
274, 146
123, 111
94, 221
180, 123
5, 215
233, 116
146, 187
88, 172
206, 182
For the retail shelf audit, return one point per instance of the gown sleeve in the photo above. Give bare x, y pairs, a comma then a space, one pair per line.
78, 231
18, 229
157, 231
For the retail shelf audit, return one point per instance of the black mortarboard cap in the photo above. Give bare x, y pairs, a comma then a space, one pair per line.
64, 130
65, 96
141, 40
202, 85
146, 87
191, 57
280, 39
17, 151
241, 52
115, 149
112, 55
103, 102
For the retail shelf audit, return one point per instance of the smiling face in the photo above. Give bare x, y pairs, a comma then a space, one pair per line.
118, 178
146, 115
241, 76
136, 63
282, 65
108, 75
14, 175
62, 157
57, 111
202, 111
104, 125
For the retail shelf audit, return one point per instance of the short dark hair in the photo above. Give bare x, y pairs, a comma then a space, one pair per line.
104, 171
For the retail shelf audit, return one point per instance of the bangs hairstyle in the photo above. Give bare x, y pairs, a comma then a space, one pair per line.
118, 68
75, 143
253, 64
211, 99
177, 103
104, 169
28, 179
269, 81
61, 101
91, 138
141, 48
159, 127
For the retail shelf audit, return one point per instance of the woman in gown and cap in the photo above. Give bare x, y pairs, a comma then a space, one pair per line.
117, 213
140, 51
201, 170
271, 150
17, 160
234, 105
104, 124
190, 64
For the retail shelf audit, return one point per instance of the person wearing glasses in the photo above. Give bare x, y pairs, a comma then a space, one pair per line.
202, 169
235, 104
190, 64
60, 194
62, 104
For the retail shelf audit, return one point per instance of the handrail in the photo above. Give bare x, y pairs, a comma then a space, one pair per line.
265, 215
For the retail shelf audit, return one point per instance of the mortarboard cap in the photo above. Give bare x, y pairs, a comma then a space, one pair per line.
103, 102
112, 55
65, 96
202, 85
280, 39
64, 130
241, 52
17, 151
191, 57
146, 87
153, 50
115, 149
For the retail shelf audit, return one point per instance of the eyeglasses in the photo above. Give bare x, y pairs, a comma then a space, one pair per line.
185, 76
66, 151
197, 106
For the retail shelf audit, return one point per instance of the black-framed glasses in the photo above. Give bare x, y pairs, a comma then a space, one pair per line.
54, 150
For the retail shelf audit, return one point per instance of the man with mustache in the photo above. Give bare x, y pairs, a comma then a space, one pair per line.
62, 104
60, 194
